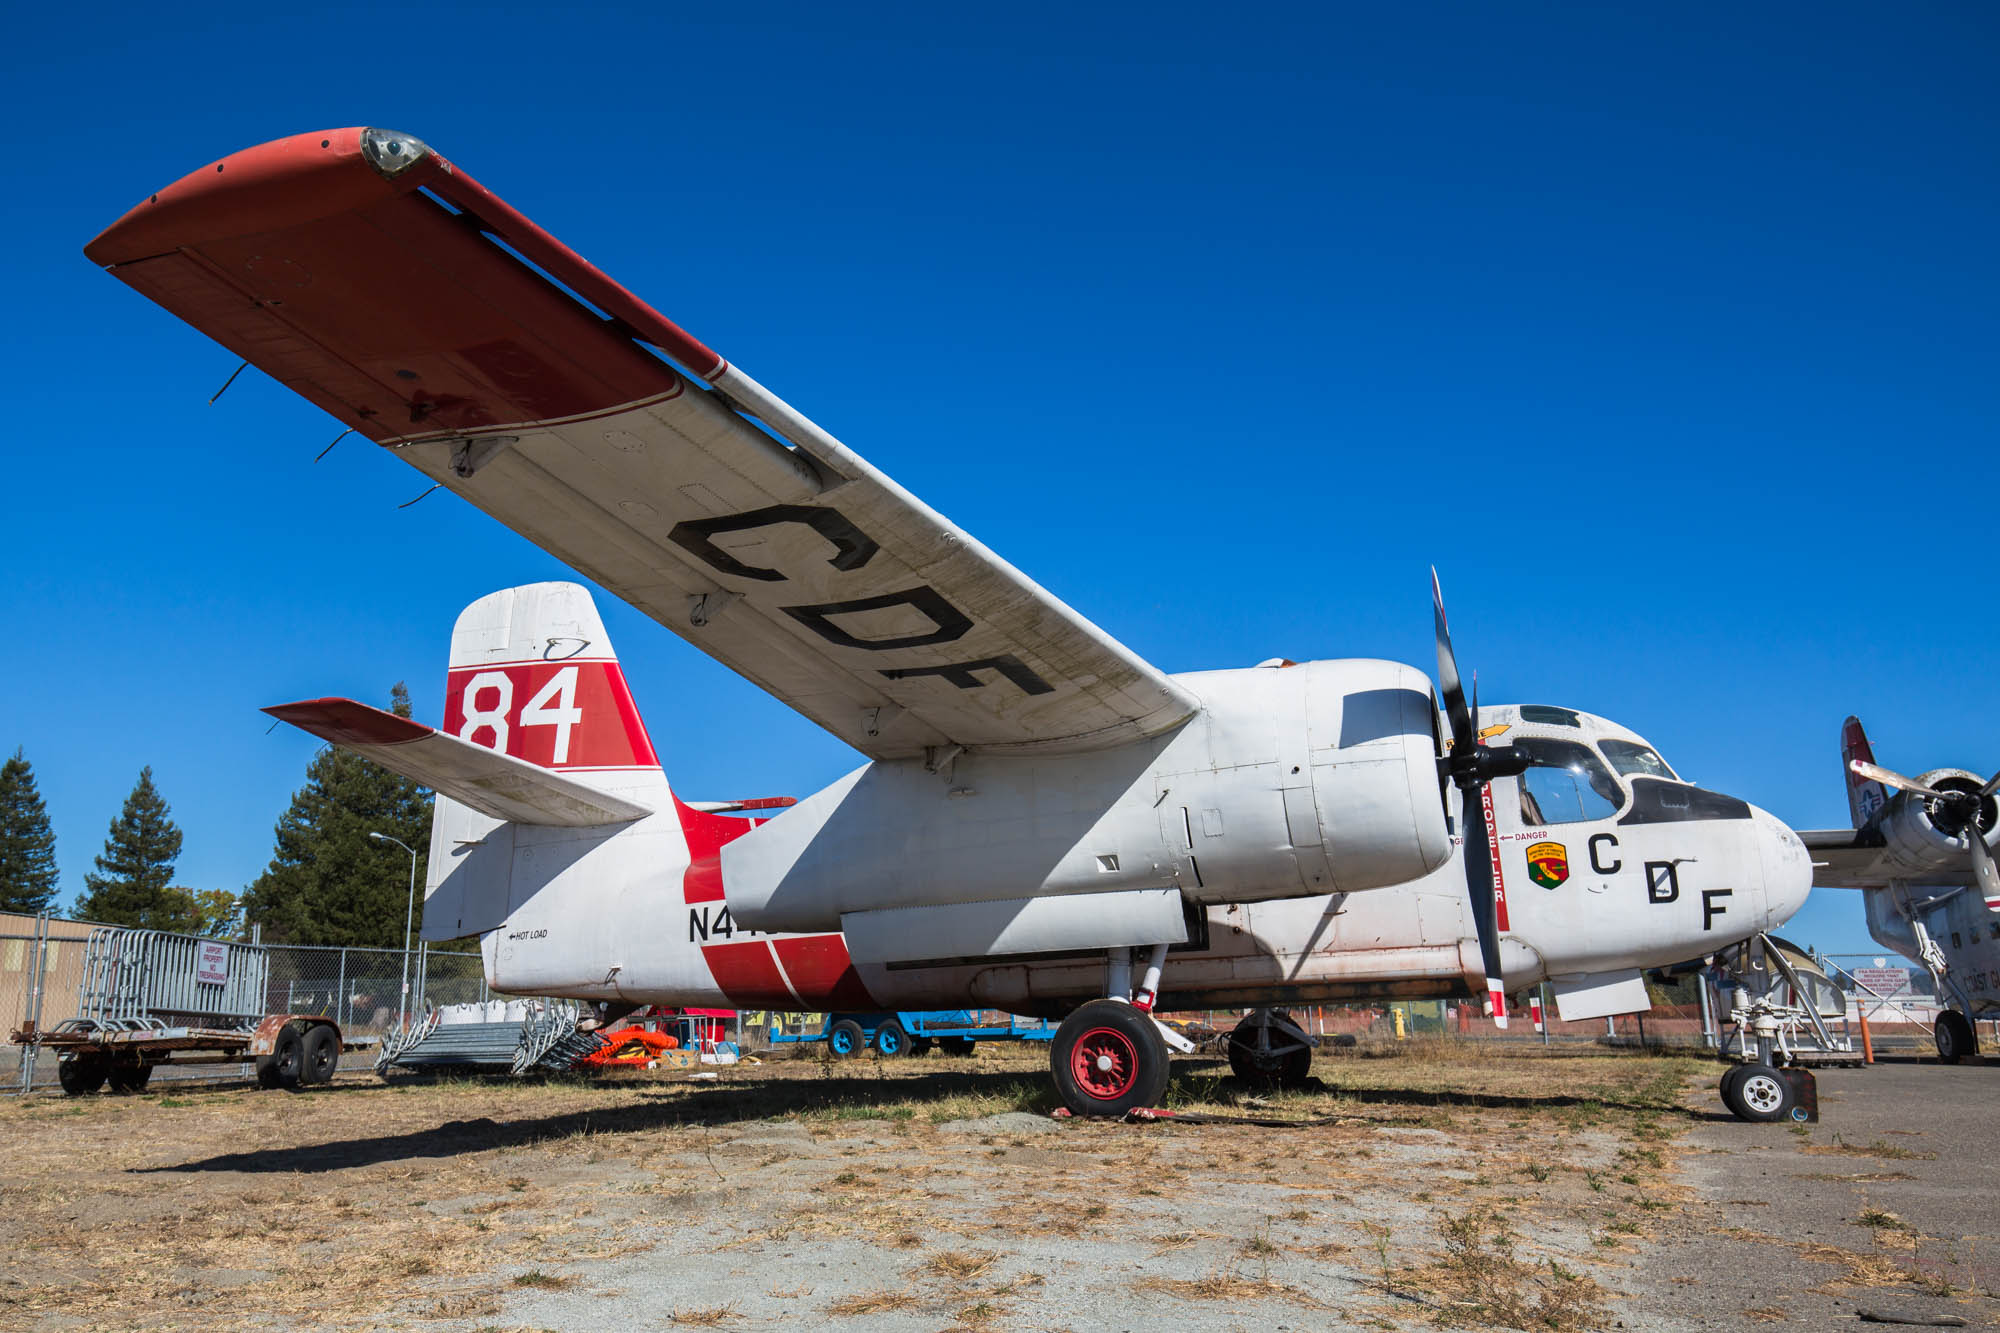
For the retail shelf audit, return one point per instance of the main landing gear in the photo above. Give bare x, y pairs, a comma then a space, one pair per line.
1267, 1049
1111, 1055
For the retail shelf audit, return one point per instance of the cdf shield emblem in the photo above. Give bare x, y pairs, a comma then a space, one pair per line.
1548, 864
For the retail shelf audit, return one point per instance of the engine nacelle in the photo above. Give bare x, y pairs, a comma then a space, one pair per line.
1910, 829
1291, 781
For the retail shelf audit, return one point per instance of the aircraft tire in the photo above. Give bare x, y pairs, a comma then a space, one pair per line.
1107, 1058
846, 1038
1730, 1078
1760, 1094
1954, 1037
891, 1040
1284, 1069
79, 1074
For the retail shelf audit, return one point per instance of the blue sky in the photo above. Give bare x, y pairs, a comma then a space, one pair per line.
1667, 334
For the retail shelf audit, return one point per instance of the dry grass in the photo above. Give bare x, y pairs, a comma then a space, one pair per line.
408, 1199
1227, 1285
1876, 1149
960, 1265
873, 1302
1481, 1282
712, 1317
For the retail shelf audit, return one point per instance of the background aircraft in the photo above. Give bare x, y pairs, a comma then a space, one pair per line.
1921, 850
1034, 786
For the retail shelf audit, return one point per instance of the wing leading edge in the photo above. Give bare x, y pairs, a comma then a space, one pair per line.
377, 280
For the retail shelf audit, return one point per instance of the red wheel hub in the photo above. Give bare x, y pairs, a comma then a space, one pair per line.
1105, 1063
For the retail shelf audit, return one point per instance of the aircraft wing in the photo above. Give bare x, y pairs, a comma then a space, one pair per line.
373, 277
1848, 858
496, 785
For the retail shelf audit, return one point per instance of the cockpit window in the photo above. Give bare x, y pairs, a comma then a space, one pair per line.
1566, 784
1635, 760
1550, 717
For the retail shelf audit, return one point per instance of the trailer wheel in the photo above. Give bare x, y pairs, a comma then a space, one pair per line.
286, 1057
891, 1040
920, 1045
80, 1074
1954, 1036
130, 1078
845, 1038
319, 1055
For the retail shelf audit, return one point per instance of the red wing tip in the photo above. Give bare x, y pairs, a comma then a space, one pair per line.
349, 722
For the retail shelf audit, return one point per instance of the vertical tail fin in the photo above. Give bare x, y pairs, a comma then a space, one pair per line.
1865, 796
533, 675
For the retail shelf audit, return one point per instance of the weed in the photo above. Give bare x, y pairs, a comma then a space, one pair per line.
1881, 1220
535, 1277
1480, 1281
1537, 1171
960, 1265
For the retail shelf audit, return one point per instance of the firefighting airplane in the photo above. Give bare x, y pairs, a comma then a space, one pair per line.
1047, 822
1923, 858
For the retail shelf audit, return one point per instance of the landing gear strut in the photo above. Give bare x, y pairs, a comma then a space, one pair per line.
1111, 1055
1268, 1049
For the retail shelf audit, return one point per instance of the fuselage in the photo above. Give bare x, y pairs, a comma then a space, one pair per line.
1607, 862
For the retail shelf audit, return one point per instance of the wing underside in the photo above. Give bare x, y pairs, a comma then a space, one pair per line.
404, 298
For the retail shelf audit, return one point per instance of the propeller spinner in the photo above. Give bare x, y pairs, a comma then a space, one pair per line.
1955, 812
1471, 765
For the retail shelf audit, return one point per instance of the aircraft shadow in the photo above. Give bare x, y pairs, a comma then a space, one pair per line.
848, 1099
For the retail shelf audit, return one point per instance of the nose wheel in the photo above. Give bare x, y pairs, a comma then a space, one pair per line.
1267, 1049
1108, 1057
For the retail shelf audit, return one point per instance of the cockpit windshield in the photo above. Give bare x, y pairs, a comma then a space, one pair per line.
1635, 760
1565, 783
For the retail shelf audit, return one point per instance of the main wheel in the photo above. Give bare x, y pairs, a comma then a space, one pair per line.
80, 1074
319, 1055
1270, 1054
891, 1040
287, 1054
1954, 1036
1730, 1078
130, 1078
1107, 1058
845, 1038
1759, 1094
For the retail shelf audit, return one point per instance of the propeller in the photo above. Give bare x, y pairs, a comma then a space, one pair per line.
1954, 812
1471, 765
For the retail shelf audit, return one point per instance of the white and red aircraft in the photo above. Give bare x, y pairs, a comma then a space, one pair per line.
1924, 859
1039, 804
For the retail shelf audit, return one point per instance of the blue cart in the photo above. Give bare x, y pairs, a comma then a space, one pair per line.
914, 1032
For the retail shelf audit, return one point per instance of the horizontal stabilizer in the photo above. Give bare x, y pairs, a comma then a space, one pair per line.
494, 784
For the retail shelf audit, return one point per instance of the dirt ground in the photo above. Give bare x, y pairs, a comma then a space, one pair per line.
1457, 1185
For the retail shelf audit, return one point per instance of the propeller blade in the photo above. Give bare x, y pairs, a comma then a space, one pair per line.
1479, 888
1992, 786
1983, 869
1463, 733
1888, 779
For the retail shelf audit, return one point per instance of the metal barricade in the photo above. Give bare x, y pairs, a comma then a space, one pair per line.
141, 978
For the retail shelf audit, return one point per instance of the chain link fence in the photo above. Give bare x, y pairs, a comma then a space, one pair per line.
359, 989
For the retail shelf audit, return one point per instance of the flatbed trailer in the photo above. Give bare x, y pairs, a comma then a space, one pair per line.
288, 1050
914, 1032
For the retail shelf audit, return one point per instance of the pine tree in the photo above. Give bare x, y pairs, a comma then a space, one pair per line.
27, 844
328, 881
136, 870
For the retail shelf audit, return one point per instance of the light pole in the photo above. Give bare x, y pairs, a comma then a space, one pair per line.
409, 915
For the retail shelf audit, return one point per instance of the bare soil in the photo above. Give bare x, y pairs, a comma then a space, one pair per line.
1459, 1185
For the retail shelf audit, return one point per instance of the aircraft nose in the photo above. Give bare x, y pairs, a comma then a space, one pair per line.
1787, 867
